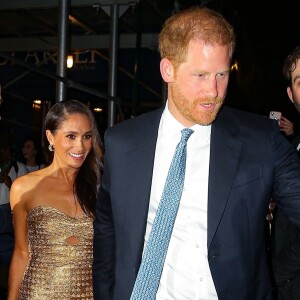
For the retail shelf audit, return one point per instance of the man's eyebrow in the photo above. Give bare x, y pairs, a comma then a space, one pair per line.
296, 77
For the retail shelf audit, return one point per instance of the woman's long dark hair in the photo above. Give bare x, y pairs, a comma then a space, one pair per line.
88, 177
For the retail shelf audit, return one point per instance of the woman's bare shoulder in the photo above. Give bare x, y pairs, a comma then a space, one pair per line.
29, 181
26, 187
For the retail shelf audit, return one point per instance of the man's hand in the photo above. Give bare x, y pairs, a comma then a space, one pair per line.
286, 126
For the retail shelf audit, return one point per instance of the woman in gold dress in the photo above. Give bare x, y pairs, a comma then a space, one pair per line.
53, 210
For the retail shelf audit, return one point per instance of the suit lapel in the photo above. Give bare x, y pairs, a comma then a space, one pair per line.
140, 160
224, 158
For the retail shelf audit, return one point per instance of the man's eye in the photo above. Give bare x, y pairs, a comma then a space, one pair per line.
223, 74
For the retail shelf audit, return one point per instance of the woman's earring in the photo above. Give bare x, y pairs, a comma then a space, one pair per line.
51, 147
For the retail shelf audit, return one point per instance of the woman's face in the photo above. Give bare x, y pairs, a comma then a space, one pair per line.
73, 141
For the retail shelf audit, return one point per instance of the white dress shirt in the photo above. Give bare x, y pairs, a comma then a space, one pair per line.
186, 274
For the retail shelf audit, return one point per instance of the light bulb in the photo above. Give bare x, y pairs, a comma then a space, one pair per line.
70, 61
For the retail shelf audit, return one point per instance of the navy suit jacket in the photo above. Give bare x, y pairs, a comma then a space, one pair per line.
250, 162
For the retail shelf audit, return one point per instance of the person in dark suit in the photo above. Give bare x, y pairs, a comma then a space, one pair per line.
286, 235
236, 161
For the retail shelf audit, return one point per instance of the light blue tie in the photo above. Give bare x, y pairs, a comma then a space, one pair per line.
154, 255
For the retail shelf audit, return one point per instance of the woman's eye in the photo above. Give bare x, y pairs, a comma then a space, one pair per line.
71, 136
88, 136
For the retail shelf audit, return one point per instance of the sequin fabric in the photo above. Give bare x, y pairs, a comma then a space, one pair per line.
58, 270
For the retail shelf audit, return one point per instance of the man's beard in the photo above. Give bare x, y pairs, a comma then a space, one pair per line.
297, 106
190, 110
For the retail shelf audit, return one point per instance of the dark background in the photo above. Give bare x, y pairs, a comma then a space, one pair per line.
266, 32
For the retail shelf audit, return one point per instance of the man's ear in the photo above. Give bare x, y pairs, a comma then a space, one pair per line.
290, 93
166, 70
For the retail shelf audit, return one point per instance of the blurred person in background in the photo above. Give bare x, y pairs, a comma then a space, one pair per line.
10, 169
285, 235
33, 154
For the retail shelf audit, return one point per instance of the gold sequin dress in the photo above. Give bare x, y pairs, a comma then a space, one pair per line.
57, 269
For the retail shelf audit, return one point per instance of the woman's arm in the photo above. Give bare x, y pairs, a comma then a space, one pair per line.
21, 251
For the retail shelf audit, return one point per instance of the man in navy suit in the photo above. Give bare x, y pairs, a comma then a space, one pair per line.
236, 161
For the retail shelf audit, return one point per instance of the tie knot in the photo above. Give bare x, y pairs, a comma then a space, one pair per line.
185, 134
